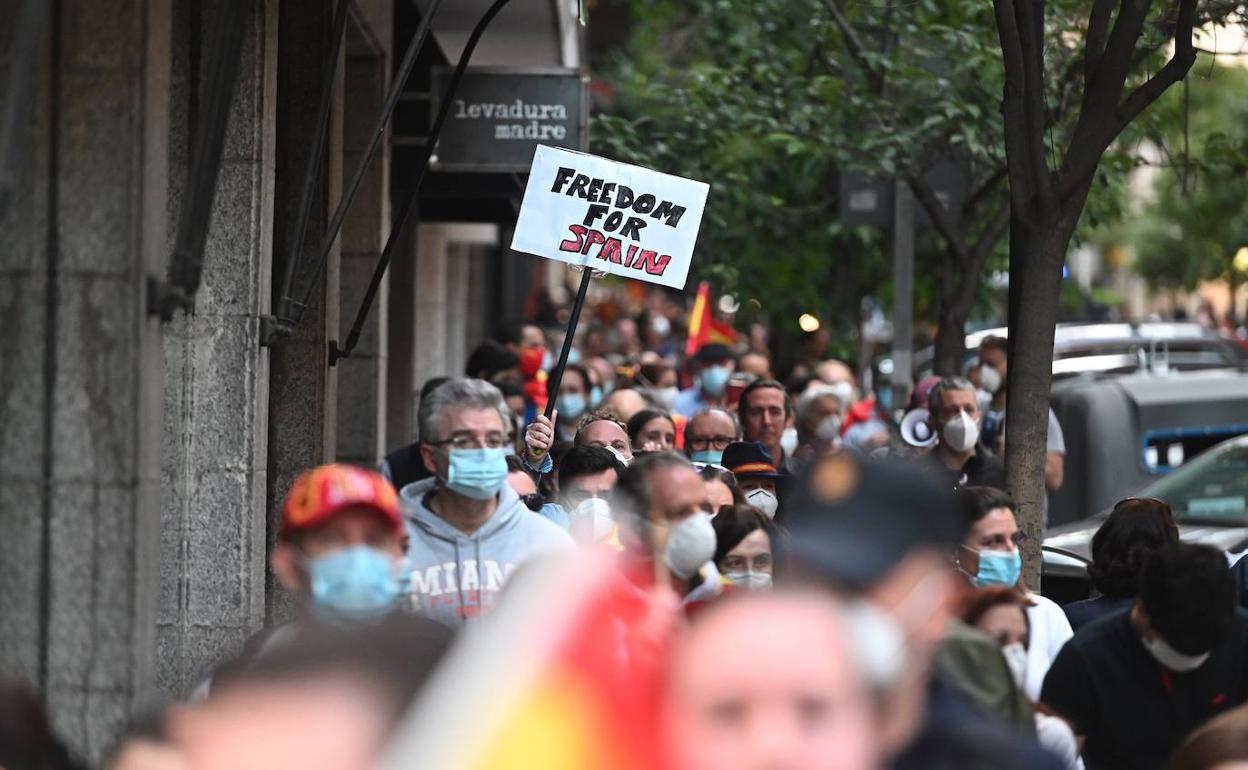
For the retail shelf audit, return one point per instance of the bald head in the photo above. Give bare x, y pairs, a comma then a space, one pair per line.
708, 429
625, 402
767, 681
833, 371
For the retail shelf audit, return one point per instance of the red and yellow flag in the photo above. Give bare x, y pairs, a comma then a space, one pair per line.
703, 326
553, 679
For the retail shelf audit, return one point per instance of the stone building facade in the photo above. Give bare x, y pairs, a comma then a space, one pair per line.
142, 461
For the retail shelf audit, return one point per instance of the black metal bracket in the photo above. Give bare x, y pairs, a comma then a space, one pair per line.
409, 206
271, 329
164, 299
336, 353
289, 309
186, 263
286, 306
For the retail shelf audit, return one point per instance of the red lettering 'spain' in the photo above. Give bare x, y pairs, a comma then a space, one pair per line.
612, 250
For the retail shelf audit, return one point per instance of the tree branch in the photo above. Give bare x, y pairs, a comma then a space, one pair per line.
1102, 90
1173, 71
1082, 165
993, 232
987, 186
857, 51
941, 217
1116, 59
1097, 36
960, 294
1012, 112
1032, 45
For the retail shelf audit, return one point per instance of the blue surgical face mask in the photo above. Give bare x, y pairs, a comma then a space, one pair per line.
570, 406
595, 396
708, 456
356, 583
714, 379
998, 568
477, 473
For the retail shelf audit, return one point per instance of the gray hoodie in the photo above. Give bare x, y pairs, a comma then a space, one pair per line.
453, 576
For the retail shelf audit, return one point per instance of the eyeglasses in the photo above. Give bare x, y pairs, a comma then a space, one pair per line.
467, 440
533, 501
703, 443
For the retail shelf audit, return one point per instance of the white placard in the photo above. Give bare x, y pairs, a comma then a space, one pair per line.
620, 219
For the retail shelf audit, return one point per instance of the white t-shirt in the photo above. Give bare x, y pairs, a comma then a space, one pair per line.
1050, 630
1056, 440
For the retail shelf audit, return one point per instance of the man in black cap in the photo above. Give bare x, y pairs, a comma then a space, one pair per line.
715, 364
756, 474
883, 533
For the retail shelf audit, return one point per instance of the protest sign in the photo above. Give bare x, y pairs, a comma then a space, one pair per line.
612, 217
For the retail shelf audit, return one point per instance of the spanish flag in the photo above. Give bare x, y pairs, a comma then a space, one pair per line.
703, 326
556, 678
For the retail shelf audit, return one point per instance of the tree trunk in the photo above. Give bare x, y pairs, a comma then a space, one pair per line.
950, 341
1232, 280
959, 287
1037, 251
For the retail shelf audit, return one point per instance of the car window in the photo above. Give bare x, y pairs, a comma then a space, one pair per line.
1214, 486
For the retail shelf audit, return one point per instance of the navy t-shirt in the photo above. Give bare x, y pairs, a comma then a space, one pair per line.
1133, 711
1081, 613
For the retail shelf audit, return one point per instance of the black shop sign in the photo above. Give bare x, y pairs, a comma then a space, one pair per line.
498, 116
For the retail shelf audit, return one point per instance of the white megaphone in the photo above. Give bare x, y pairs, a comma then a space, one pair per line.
916, 429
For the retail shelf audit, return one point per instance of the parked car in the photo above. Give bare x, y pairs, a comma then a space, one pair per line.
1118, 348
1209, 497
1124, 431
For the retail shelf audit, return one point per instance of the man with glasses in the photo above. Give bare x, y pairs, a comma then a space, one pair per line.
469, 529
708, 433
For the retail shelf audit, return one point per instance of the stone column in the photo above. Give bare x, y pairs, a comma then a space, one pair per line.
302, 386
362, 377
482, 268
458, 257
432, 308
214, 473
80, 382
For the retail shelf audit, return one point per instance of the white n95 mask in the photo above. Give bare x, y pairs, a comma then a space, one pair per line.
764, 500
690, 544
961, 433
591, 522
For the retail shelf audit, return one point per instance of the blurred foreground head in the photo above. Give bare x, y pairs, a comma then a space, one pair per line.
327, 703
26, 738
881, 533
768, 682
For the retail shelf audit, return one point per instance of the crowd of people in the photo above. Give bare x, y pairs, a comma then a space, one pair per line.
836, 586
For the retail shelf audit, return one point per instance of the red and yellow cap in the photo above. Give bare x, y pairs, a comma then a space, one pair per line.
319, 494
